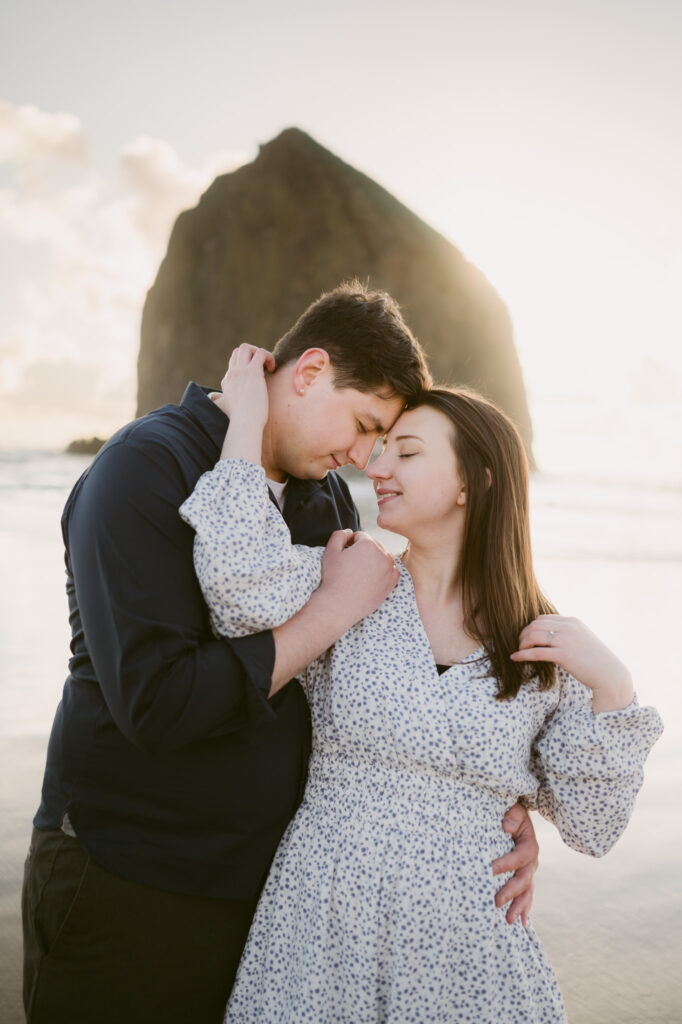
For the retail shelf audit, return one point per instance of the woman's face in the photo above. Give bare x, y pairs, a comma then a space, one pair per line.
416, 478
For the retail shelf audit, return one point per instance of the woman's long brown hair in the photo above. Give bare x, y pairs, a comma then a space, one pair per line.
499, 590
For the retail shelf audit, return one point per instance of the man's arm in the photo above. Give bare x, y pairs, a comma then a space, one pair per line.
165, 683
357, 576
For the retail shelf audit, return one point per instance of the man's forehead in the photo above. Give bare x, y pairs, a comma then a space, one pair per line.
381, 413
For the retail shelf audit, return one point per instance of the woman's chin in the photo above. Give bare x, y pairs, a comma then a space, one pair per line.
386, 522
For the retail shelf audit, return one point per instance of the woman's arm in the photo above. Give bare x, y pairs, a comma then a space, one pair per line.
572, 646
251, 575
589, 755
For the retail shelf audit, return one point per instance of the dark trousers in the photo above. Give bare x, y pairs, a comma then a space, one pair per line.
101, 950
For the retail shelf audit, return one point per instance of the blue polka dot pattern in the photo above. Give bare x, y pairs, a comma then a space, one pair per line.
379, 906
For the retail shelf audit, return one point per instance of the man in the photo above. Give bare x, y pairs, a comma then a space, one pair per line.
170, 775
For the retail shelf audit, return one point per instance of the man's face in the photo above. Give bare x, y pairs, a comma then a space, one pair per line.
331, 428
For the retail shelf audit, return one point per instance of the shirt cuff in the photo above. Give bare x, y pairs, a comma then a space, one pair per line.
256, 654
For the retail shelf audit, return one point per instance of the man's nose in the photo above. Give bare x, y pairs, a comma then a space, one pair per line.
361, 451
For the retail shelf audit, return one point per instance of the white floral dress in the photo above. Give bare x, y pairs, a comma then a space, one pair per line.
379, 906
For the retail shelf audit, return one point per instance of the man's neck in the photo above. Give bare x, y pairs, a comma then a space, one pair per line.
268, 450
272, 471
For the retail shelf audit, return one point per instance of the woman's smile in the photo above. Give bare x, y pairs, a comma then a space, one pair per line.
385, 494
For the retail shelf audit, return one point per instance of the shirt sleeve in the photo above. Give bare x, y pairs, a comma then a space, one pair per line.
590, 766
165, 680
251, 575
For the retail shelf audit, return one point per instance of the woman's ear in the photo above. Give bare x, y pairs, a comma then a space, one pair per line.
462, 496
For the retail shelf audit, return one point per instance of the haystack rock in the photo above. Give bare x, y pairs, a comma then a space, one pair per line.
267, 239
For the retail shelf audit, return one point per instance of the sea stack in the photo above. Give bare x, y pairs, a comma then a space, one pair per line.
267, 239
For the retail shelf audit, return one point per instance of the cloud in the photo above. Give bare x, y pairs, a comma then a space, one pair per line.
81, 250
55, 401
28, 134
160, 185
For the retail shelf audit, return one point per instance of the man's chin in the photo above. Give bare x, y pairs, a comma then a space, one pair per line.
311, 471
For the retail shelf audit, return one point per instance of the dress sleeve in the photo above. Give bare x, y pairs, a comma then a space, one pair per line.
589, 766
251, 575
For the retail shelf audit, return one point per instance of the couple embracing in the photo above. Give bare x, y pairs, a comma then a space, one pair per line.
442, 689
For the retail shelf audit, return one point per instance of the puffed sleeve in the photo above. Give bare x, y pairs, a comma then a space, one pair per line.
251, 575
589, 766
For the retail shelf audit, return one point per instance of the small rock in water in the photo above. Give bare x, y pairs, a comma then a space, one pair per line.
85, 446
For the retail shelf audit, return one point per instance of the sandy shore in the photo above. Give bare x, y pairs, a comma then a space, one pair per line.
612, 927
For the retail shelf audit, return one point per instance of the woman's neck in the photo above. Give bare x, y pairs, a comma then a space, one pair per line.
435, 570
436, 576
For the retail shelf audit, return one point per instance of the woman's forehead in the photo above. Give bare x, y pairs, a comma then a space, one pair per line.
422, 422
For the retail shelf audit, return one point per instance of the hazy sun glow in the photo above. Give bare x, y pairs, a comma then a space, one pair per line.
538, 141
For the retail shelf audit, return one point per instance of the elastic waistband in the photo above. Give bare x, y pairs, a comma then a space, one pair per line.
402, 798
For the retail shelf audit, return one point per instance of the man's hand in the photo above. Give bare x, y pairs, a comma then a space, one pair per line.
358, 574
523, 860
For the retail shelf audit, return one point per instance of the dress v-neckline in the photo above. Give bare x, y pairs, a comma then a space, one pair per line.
476, 655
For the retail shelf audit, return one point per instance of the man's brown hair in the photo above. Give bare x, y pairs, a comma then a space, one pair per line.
370, 346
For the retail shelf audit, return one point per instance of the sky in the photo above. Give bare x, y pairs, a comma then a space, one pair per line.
543, 139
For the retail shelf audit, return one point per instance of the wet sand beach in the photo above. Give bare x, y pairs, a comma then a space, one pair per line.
612, 927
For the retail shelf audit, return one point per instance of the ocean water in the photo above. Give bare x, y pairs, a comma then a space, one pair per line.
608, 549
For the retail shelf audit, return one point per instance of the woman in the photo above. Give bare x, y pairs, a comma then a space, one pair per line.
429, 720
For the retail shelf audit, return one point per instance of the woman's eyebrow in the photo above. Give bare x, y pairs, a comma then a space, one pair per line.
408, 437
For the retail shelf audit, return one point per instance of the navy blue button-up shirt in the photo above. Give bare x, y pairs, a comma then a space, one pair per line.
174, 768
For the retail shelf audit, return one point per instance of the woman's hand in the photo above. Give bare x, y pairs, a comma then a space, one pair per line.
244, 398
572, 646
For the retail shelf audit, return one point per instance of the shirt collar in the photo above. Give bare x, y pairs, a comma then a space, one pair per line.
209, 416
298, 492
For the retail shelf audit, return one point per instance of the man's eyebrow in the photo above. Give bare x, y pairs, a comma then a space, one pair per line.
376, 423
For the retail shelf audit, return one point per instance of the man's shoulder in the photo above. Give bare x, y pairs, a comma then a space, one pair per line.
193, 429
163, 452
170, 433
155, 427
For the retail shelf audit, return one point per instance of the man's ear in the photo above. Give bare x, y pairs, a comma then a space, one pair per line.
309, 367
